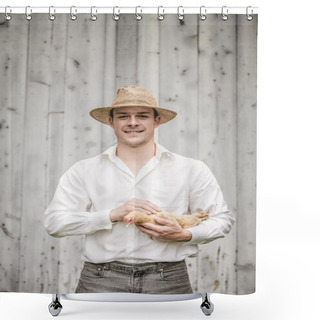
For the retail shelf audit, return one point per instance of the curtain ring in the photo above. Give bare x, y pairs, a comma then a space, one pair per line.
52, 11
138, 16
28, 13
249, 16
116, 16
93, 16
7, 16
180, 13
203, 15
224, 13
160, 15
73, 15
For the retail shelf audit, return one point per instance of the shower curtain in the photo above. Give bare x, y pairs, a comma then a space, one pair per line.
54, 72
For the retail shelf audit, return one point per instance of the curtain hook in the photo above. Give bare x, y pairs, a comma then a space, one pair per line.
249, 16
116, 16
52, 11
28, 13
180, 13
73, 15
93, 16
224, 13
203, 15
7, 16
138, 16
160, 15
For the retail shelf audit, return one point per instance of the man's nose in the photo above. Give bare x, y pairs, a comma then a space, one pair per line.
132, 121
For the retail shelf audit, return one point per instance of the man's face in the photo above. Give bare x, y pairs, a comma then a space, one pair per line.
134, 126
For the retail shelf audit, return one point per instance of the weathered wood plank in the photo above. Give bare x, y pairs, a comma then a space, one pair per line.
55, 142
18, 34
217, 140
13, 42
126, 51
178, 83
247, 133
33, 262
108, 137
8, 241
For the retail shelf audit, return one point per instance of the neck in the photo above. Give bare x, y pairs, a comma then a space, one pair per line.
139, 155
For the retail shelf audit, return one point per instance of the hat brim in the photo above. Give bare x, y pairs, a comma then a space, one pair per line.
102, 114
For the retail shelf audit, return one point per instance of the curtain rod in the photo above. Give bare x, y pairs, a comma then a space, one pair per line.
130, 10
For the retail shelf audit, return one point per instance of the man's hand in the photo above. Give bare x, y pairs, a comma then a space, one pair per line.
166, 230
133, 204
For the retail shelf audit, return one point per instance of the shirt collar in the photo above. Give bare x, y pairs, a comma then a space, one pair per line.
111, 153
160, 150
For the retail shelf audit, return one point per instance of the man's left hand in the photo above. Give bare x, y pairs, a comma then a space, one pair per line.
165, 230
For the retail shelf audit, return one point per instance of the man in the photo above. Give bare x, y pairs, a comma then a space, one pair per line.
95, 194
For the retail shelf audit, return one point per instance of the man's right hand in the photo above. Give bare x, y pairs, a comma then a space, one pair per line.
133, 204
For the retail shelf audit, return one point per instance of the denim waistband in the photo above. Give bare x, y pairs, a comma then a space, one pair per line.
129, 267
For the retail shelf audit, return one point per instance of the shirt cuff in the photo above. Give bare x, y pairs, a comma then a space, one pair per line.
100, 220
196, 236
201, 236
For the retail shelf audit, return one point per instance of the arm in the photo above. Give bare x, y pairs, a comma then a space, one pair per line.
206, 194
68, 213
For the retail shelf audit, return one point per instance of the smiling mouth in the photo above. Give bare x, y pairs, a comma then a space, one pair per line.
131, 131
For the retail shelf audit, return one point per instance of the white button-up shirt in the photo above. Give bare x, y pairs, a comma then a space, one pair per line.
91, 188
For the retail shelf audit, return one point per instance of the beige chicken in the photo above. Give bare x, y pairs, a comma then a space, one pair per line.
185, 221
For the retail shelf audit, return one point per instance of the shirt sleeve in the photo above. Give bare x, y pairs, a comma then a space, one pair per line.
206, 194
69, 213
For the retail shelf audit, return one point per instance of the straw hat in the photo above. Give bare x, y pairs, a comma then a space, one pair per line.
132, 96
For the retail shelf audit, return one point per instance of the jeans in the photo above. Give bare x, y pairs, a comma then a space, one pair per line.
148, 278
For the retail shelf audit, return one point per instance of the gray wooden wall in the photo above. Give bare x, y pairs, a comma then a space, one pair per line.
53, 73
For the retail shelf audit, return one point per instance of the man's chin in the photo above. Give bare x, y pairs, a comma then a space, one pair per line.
134, 143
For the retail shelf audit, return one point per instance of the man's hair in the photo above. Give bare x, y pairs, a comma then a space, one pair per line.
155, 113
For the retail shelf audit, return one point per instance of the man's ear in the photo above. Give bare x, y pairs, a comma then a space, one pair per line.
157, 121
110, 122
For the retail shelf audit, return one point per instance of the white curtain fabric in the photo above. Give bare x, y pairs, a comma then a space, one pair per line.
54, 73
